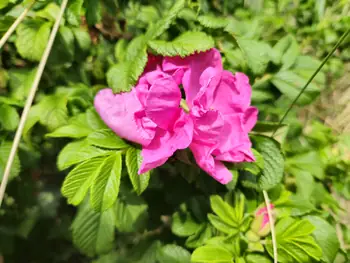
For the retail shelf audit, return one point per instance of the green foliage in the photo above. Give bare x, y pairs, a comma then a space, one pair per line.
5, 148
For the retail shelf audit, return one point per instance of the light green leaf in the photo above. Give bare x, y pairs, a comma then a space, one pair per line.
77, 152
5, 148
294, 241
118, 78
32, 38
257, 258
184, 45
198, 239
256, 54
9, 117
93, 232
212, 21
163, 24
131, 212
49, 12
222, 226
4, 3
306, 162
79, 180
106, 139
326, 237
20, 82
225, 212
183, 224
105, 186
133, 160
73, 12
290, 84
273, 161
173, 254
211, 254
82, 38
287, 51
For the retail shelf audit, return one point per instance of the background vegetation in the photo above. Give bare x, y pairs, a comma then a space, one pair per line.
59, 206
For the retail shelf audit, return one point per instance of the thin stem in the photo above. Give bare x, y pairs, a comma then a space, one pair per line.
15, 24
311, 78
272, 226
29, 101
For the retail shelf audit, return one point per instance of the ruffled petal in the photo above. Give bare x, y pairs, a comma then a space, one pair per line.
214, 168
163, 102
118, 112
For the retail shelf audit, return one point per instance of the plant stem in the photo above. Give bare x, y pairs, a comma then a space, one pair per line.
311, 78
15, 24
30, 99
272, 226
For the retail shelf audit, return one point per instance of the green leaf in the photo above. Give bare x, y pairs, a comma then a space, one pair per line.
256, 258
79, 180
221, 225
20, 82
63, 49
290, 84
106, 139
32, 38
211, 254
273, 161
266, 126
256, 54
184, 45
93, 11
49, 12
306, 162
212, 21
4, 3
105, 186
294, 241
287, 51
326, 237
73, 12
224, 211
5, 148
131, 212
198, 239
82, 38
173, 254
9, 117
183, 224
93, 232
133, 160
163, 24
77, 152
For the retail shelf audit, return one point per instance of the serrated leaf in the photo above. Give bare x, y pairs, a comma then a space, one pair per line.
184, 45
79, 180
326, 237
163, 24
290, 84
105, 186
9, 117
131, 212
93, 232
211, 254
183, 224
256, 54
133, 160
32, 38
214, 22
5, 148
106, 139
294, 241
77, 152
173, 254
273, 161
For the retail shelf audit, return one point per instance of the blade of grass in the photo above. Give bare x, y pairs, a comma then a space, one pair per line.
29, 101
15, 24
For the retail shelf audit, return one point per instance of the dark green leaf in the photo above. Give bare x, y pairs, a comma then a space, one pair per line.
5, 148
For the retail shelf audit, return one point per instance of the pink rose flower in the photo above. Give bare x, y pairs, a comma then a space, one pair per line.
216, 127
260, 224
219, 104
149, 115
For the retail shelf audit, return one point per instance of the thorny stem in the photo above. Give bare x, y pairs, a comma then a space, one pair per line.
29, 101
272, 226
311, 78
15, 24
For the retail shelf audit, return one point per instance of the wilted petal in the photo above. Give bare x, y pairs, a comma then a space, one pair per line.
118, 112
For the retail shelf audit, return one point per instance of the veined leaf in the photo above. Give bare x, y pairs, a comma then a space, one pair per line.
184, 45
32, 38
214, 22
93, 232
105, 186
133, 160
79, 180
106, 139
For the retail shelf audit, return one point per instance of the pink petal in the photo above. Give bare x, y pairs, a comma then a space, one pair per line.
118, 112
214, 168
250, 118
166, 143
163, 102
